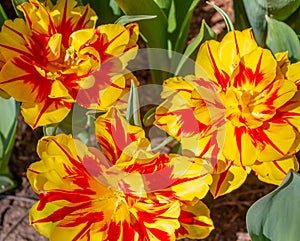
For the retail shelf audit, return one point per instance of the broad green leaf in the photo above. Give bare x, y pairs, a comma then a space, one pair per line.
281, 37
257, 9
3, 15
226, 18
241, 21
133, 18
294, 21
256, 16
279, 9
8, 127
106, 10
205, 33
276, 216
164, 4
133, 109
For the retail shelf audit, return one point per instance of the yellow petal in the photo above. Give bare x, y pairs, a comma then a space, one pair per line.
225, 182
208, 61
54, 47
114, 133
293, 72
233, 46
279, 140
239, 146
161, 221
116, 38
44, 113
80, 37
256, 71
275, 171
195, 221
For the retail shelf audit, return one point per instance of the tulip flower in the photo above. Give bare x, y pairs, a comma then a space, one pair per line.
133, 194
240, 110
56, 52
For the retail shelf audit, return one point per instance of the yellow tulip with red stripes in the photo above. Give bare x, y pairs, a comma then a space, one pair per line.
241, 109
57, 56
124, 192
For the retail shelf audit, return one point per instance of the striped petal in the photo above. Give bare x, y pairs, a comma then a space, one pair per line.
159, 220
195, 221
41, 114
256, 70
114, 133
76, 206
56, 52
275, 171
176, 114
279, 140
228, 180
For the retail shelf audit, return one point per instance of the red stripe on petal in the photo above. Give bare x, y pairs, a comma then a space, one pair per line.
236, 44
279, 167
75, 196
262, 136
43, 110
258, 75
33, 171
218, 75
239, 131
21, 52
222, 178
13, 30
160, 234
59, 214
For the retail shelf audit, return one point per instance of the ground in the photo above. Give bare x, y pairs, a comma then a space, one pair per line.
228, 212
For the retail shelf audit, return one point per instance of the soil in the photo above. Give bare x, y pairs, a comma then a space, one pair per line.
228, 212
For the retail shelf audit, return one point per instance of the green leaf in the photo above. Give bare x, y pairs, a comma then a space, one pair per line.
294, 21
226, 18
241, 21
257, 9
133, 109
180, 18
149, 117
75, 122
279, 9
153, 30
15, 3
50, 130
133, 18
276, 216
115, 8
6, 183
106, 10
281, 37
165, 142
164, 4
205, 33
256, 16
3, 15
8, 127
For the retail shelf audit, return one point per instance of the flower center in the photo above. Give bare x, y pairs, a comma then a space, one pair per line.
240, 107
